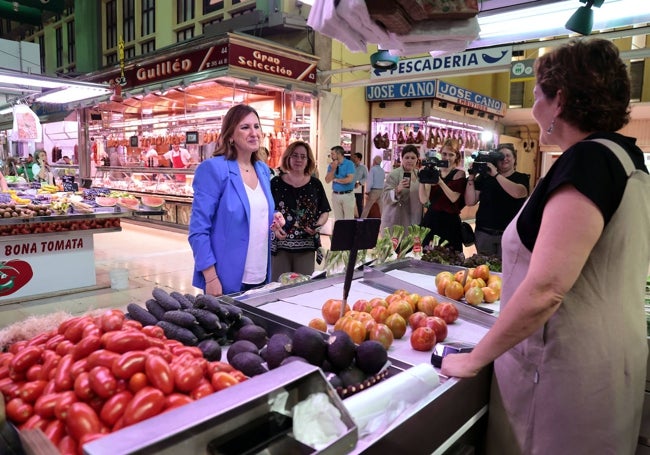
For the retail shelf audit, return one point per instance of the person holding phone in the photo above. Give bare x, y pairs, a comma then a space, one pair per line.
400, 203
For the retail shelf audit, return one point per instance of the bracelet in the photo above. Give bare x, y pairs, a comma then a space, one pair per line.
210, 281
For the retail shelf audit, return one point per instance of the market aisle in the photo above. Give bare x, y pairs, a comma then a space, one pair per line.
153, 256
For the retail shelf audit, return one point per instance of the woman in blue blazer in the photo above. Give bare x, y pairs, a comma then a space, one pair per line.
232, 212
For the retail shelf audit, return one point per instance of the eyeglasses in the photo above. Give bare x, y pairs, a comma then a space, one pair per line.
298, 157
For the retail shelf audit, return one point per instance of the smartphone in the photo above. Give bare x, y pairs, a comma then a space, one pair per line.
441, 350
407, 176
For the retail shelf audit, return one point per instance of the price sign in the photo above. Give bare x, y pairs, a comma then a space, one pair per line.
69, 183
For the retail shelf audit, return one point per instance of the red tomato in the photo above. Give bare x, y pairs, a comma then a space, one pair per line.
128, 364
51, 385
16, 347
423, 339
213, 367
91, 330
64, 347
54, 431
82, 387
174, 400
438, 325
130, 325
163, 352
103, 358
42, 338
30, 391
87, 345
241, 377
202, 390
187, 377
153, 331
159, 373
129, 340
221, 380
5, 358
111, 320
447, 311
33, 374
148, 402
34, 422
75, 331
63, 403
416, 319
78, 367
18, 411
25, 358
4, 371
53, 342
44, 405
81, 420
67, 445
102, 382
114, 407
137, 382
63, 376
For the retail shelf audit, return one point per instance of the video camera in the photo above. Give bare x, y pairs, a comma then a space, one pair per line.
481, 160
429, 172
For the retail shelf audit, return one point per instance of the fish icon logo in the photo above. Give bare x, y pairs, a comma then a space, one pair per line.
487, 58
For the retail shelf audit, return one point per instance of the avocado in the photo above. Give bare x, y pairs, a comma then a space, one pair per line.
371, 357
340, 350
352, 376
277, 349
253, 333
309, 344
240, 346
211, 350
249, 363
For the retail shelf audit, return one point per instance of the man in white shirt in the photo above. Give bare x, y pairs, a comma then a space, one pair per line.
180, 159
374, 185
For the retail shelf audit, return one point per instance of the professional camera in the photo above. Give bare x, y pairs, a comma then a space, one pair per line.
429, 172
481, 160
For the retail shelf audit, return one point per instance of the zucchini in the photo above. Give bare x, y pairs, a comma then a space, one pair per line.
191, 298
199, 332
207, 319
165, 300
141, 315
180, 318
174, 332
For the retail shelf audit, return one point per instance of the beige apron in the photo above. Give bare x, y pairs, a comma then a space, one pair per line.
576, 386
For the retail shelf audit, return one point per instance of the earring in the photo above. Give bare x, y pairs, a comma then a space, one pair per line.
549, 130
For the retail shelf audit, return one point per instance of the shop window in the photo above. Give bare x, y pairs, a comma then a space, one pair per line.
148, 19
128, 20
58, 33
71, 42
636, 79
210, 6
184, 11
213, 21
517, 94
185, 34
111, 24
129, 52
148, 46
111, 58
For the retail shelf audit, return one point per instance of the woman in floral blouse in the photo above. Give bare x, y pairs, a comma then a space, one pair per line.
302, 201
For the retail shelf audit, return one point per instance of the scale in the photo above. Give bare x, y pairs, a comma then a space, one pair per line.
353, 235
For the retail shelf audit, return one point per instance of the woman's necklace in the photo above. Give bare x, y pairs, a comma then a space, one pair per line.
245, 168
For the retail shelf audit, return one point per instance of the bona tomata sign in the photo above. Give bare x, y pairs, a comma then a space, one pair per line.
496, 58
242, 54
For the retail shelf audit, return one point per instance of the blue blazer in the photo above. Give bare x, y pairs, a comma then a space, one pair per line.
219, 224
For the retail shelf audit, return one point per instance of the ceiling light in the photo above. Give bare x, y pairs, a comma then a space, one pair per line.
382, 60
583, 19
72, 94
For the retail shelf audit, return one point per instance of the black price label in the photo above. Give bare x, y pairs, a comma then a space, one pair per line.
69, 183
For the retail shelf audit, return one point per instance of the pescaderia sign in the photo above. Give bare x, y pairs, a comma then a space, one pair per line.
468, 98
497, 58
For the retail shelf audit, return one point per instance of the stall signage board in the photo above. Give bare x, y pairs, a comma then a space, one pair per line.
403, 90
474, 100
496, 59
522, 70
271, 63
68, 183
46, 263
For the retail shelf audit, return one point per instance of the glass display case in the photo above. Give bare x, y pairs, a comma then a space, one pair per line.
172, 185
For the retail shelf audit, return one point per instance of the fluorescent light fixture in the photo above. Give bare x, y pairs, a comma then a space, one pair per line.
538, 22
58, 90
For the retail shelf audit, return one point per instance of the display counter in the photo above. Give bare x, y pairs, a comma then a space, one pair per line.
49, 254
173, 185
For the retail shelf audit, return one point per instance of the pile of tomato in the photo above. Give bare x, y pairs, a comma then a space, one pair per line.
95, 375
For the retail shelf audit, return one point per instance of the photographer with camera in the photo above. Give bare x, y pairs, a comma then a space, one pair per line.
501, 192
399, 201
443, 187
